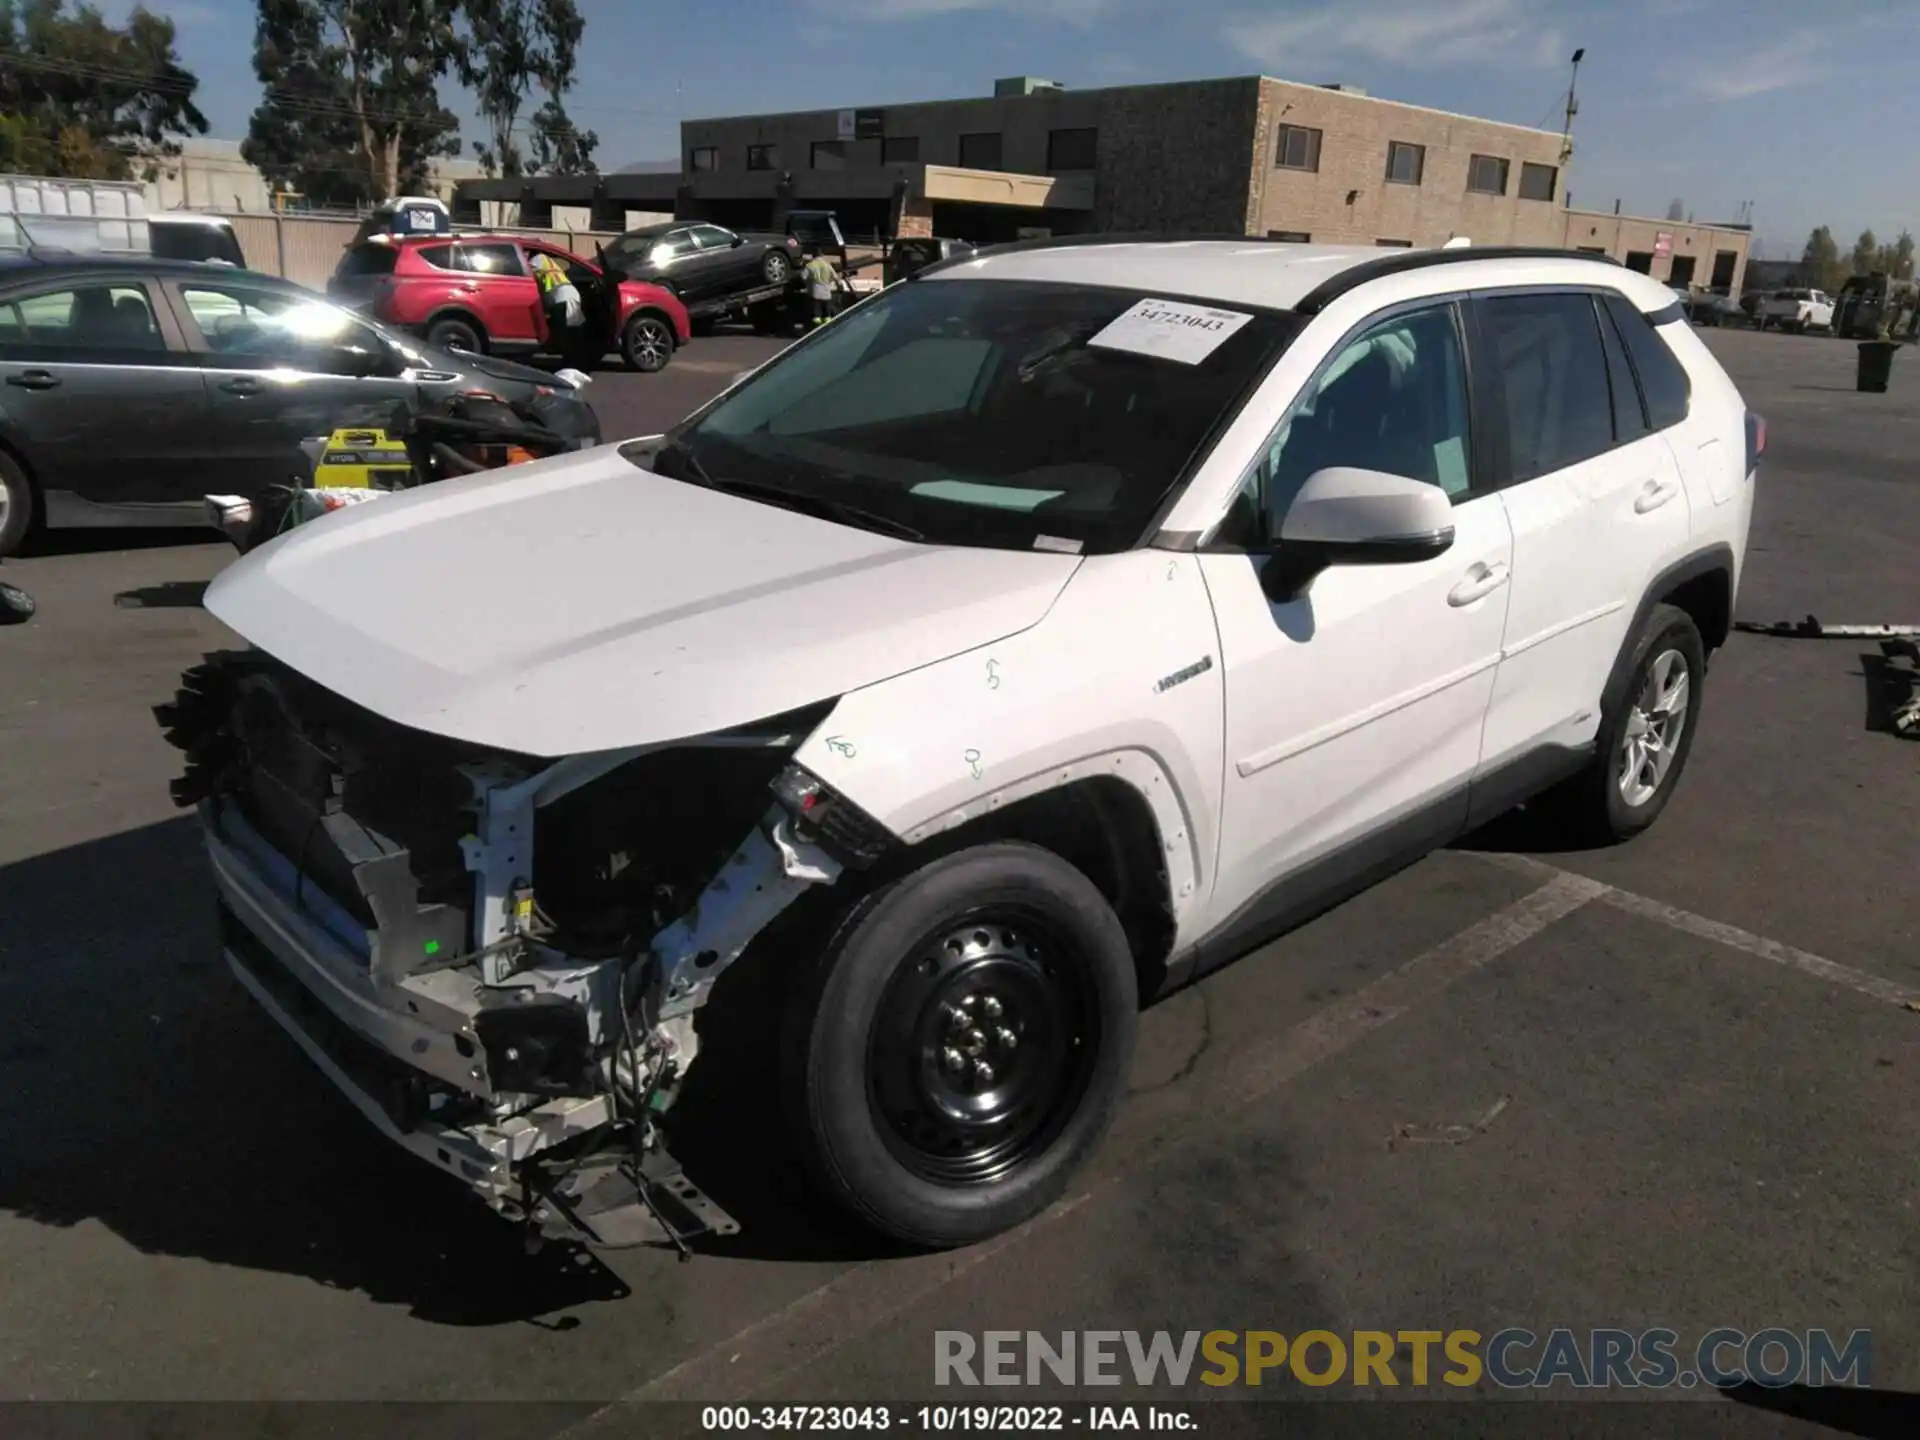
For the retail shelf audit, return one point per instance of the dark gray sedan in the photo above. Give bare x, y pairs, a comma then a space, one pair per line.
132, 388
703, 263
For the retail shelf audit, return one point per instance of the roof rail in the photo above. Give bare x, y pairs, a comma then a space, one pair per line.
1399, 261
1391, 263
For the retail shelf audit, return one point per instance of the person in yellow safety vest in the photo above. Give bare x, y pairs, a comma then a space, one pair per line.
823, 280
558, 297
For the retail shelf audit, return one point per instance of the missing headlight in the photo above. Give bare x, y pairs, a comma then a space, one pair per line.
821, 813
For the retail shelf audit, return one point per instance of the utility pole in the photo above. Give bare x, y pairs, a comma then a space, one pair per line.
1573, 107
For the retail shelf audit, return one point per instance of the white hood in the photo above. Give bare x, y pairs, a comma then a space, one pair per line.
586, 604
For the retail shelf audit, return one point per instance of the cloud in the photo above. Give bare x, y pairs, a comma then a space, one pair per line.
1070, 12
1405, 33
1796, 60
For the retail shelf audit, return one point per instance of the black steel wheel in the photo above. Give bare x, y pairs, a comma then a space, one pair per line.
982, 1047
958, 1047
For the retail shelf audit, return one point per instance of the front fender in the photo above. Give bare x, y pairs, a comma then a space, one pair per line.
1121, 679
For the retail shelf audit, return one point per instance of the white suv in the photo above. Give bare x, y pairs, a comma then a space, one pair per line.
1045, 631
1797, 310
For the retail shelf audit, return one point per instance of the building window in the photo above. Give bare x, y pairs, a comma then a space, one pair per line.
1537, 182
763, 157
900, 150
980, 151
1292, 237
1299, 148
706, 157
1071, 149
1405, 163
829, 155
1394, 244
1487, 175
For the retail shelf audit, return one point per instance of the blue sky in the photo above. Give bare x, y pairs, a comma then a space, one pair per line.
1714, 102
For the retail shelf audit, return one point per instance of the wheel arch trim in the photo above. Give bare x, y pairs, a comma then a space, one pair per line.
1714, 559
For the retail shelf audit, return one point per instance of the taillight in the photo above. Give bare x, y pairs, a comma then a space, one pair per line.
1756, 440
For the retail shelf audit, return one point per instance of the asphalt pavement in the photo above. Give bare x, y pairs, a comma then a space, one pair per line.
1671, 1083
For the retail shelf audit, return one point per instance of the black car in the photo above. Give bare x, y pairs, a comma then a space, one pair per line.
1709, 307
703, 263
131, 388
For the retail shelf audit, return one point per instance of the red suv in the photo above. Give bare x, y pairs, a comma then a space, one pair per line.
477, 293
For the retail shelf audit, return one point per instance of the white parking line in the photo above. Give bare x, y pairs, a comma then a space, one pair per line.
758, 1358
1876, 987
763, 1354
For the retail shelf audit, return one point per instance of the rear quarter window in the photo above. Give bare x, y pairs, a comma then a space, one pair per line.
367, 260
440, 257
1663, 379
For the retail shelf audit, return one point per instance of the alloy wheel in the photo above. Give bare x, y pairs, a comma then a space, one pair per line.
651, 348
1654, 727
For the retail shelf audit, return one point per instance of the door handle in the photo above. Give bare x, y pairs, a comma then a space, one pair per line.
1478, 583
242, 385
1653, 495
34, 380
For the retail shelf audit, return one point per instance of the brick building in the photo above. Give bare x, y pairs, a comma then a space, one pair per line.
1244, 156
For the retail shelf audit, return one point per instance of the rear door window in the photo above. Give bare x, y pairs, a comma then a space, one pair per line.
360, 260
489, 258
1553, 373
90, 324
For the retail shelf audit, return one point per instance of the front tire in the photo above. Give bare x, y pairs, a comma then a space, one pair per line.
777, 268
1645, 735
16, 505
647, 344
957, 1049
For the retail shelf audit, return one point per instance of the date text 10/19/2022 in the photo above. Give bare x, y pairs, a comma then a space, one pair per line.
941, 1419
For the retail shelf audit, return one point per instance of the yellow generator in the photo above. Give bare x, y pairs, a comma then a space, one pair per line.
360, 460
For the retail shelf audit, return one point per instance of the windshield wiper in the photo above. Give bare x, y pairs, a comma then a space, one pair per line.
822, 507
687, 466
685, 461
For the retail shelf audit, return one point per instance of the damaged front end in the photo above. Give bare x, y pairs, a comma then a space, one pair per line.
497, 957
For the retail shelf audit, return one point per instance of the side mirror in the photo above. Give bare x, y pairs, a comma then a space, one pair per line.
737, 243
1348, 516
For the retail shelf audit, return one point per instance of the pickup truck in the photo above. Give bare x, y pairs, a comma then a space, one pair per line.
1798, 310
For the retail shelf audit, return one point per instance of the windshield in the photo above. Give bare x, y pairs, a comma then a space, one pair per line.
1014, 414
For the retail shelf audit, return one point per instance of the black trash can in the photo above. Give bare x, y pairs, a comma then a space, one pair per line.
1876, 366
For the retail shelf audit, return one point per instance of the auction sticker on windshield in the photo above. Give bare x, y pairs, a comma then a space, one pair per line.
1170, 330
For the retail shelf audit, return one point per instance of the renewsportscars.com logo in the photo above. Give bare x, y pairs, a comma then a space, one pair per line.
1513, 1359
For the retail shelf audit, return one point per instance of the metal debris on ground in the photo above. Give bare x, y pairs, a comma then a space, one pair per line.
1449, 1134
1811, 629
1904, 719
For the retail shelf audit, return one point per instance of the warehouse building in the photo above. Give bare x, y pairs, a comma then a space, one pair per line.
1326, 164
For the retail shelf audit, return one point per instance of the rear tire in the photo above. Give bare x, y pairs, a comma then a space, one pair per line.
647, 344
958, 1047
456, 332
1645, 736
16, 505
